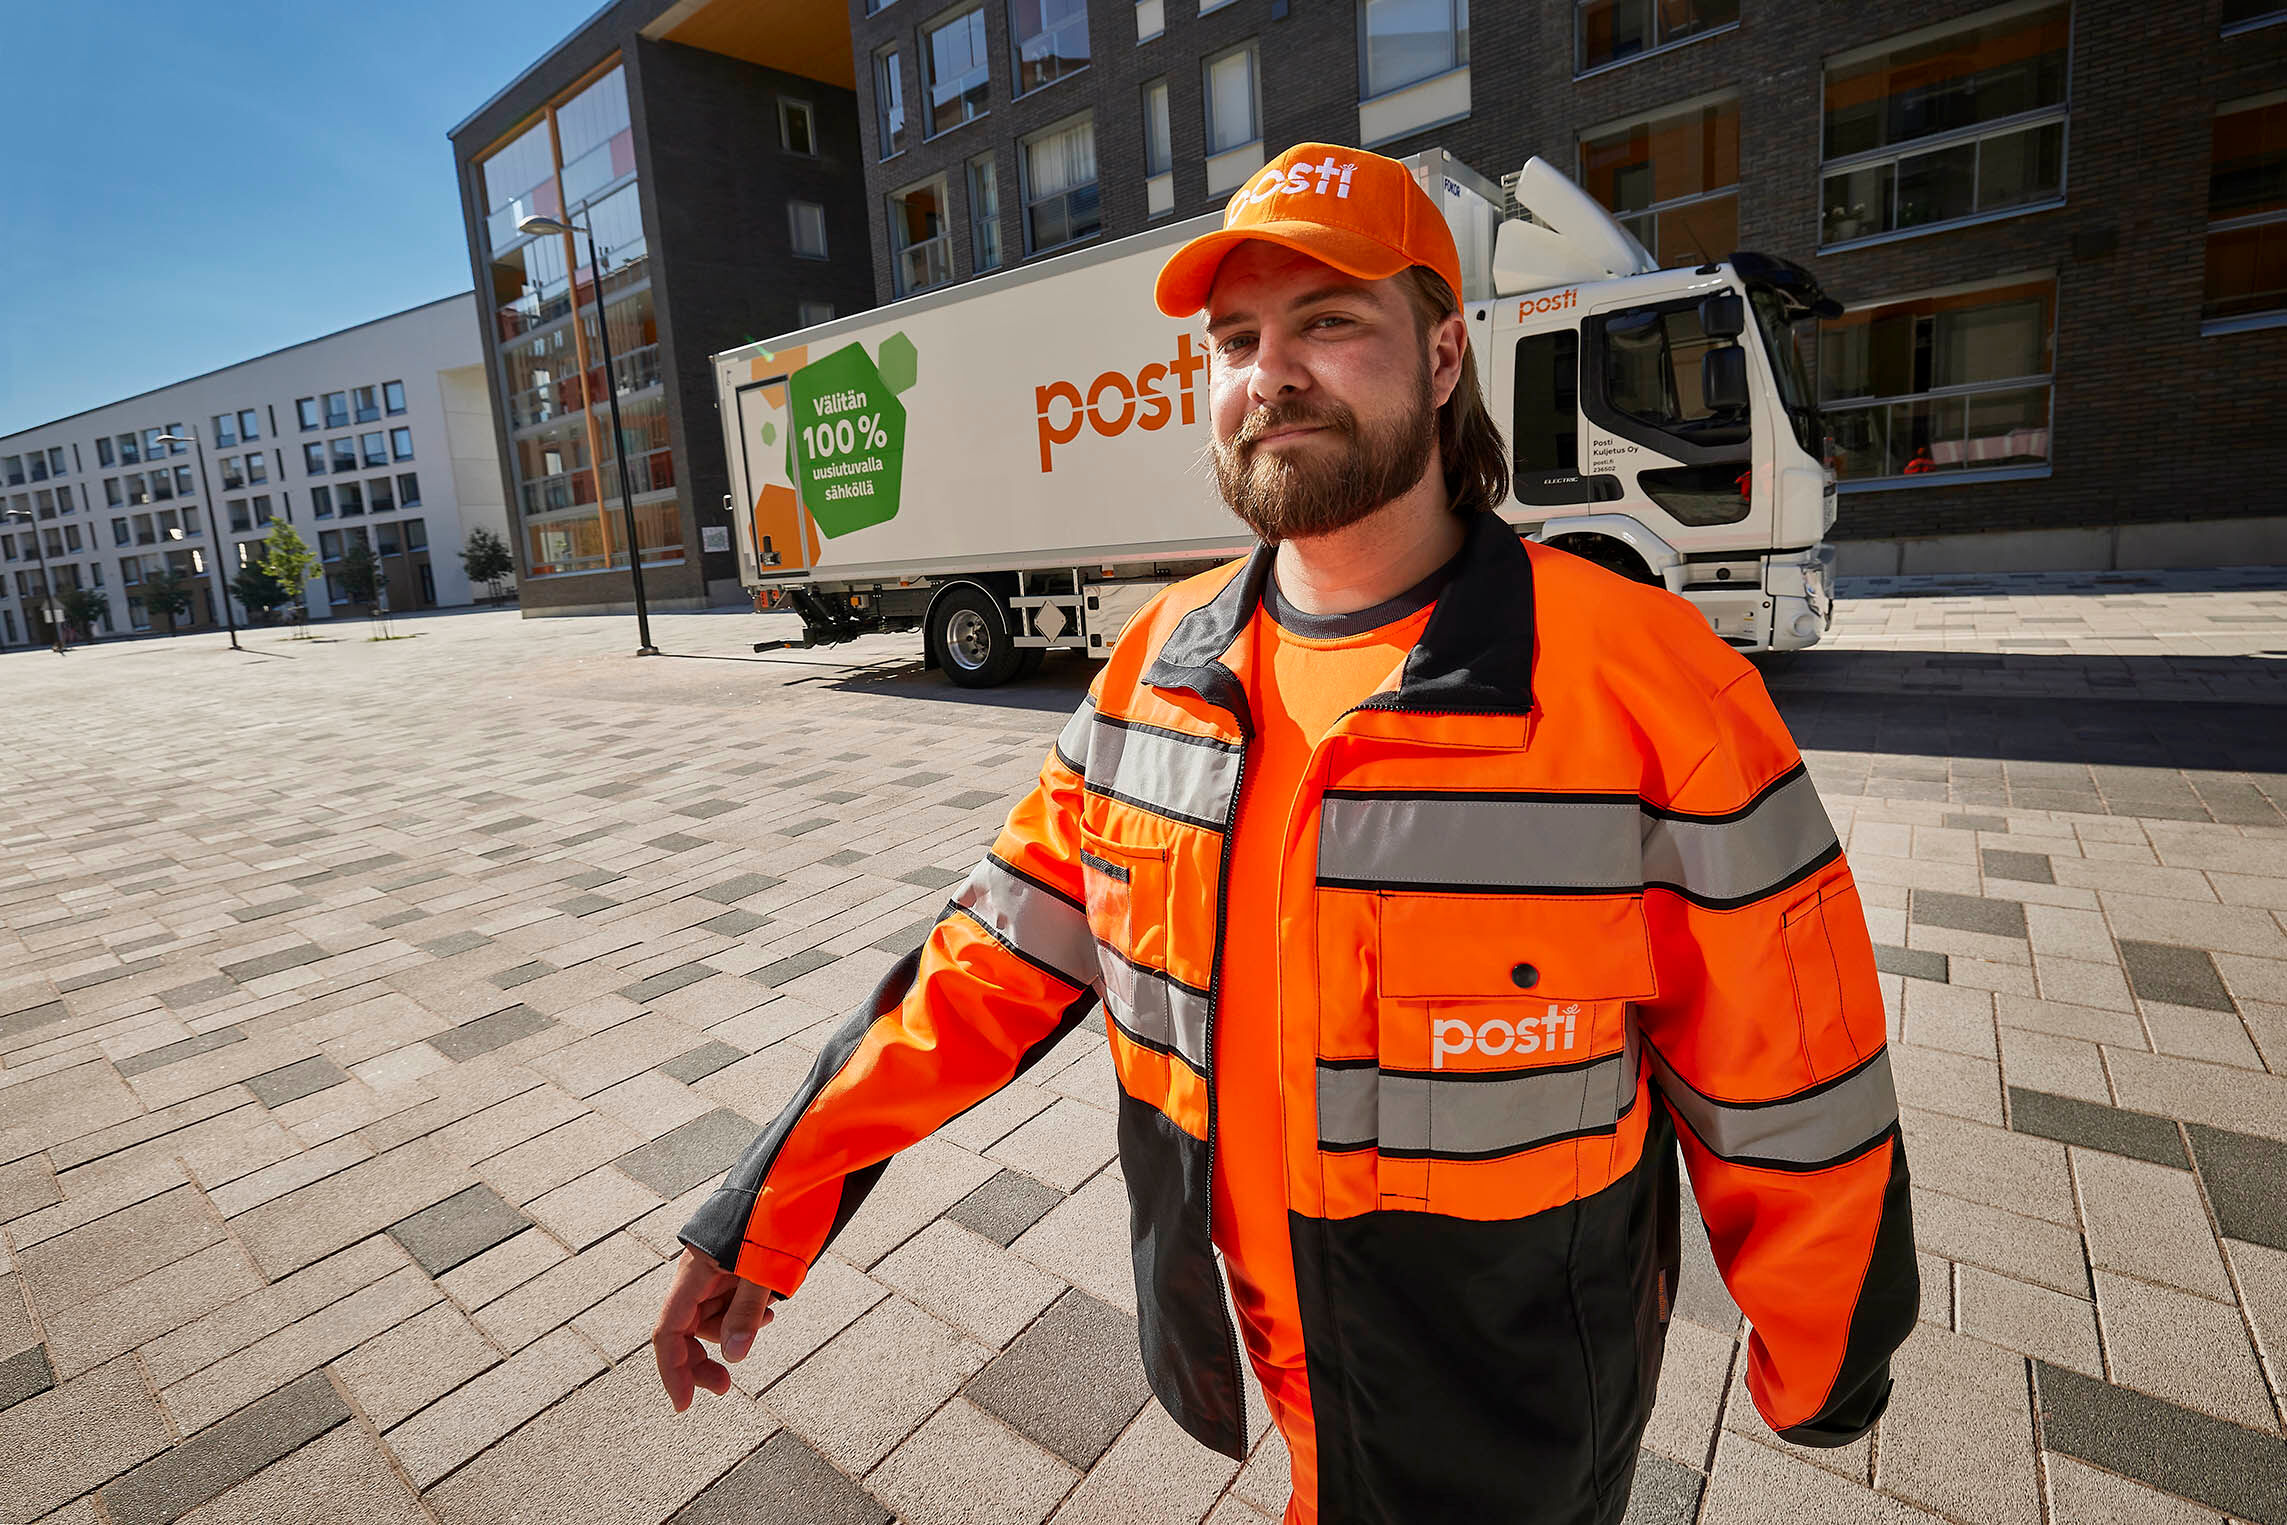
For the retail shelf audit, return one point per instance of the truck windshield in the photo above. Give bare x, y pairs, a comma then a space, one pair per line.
1787, 366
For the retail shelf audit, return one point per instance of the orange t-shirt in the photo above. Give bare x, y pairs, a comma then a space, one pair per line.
1307, 670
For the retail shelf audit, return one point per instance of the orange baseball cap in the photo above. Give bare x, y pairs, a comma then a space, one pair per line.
1361, 213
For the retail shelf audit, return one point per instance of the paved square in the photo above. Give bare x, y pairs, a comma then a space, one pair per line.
372, 1014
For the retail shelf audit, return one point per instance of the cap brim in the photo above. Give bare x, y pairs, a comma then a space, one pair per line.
1189, 273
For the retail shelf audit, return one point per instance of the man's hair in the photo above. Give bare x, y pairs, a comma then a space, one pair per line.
1470, 449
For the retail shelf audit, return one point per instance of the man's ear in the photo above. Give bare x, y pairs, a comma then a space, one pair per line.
1448, 353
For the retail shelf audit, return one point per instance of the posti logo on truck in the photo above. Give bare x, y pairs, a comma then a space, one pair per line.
1118, 400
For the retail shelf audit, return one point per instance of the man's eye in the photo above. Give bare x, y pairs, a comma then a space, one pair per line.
1233, 342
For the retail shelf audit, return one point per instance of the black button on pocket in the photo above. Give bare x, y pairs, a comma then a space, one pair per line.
1525, 976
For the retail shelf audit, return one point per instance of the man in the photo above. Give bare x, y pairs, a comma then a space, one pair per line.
1430, 880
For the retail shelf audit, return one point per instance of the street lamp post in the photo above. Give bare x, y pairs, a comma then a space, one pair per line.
47, 588
586, 226
214, 518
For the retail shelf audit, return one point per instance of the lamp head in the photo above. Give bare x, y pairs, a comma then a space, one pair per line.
174, 439
538, 224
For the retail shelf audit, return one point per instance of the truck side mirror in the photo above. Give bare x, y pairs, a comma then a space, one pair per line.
1723, 379
1723, 315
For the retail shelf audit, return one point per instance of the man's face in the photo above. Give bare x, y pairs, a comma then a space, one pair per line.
1319, 392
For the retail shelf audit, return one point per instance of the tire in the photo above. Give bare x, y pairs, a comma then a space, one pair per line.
1028, 660
969, 637
1610, 554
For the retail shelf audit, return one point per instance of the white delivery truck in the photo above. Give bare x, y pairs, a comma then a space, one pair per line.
1017, 464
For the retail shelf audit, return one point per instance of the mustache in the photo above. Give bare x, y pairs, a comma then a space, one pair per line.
1271, 419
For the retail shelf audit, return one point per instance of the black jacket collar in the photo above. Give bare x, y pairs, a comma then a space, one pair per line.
1475, 655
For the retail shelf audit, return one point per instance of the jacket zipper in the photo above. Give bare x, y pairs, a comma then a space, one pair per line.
1246, 727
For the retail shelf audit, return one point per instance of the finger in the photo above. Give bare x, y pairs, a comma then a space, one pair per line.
712, 1376
748, 1312
672, 1354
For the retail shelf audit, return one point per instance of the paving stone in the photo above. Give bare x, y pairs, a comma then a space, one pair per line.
178, 1480
26, 1186
668, 981
251, 1190
783, 1483
462, 1226
932, 878
196, 993
487, 1033
1005, 1206
2201, 1093
1084, 1240
676, 842
2081, 1495
680, 1159
509, 1264
864, 1392
2179, 976
2261, 1273
306, 1077
612, 1453
401, 1371
2148, 1221
1693, 1374
524, 973
239, 1325
111, 1422
1664, 1492
2186, 1349
458, 942
702, 1061
743, 887
2246, 1178
964, 1468
2138, 1135
1964, 1158
1063, 1146
906, 938
2173, 1449
310, 1223
583, 1211
565, 1290
159, 1058
791, 968
26, 1374
107, 1254
920, 1183
90, 1333
480, 1411
277, 1359
2036, 1321
1153, 1472
2026, 868
342, 1476
734, 923
1968, 913
621, 1324
971, 1283
1753, 1484
274, 963
1071, 1382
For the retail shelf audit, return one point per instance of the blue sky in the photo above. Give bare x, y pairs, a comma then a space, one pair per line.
184, 186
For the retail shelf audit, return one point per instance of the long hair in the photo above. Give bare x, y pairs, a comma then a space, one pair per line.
1470, 449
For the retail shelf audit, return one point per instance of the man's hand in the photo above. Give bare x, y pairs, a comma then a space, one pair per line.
705, 1303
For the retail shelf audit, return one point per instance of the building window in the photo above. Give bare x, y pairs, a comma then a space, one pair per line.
249, 426
226, 428
257, 469
808, 220
809, 314
239, 522
1048, 40
329, 545
337, 410
1672, 180
103, 455
119, 535
343, 453
349, 499
321, 502
797, 127
393, 397
409, 489
368, 402
920, 252
889, 101
1059, 172
1614, 31
63, 495
378, 495
306, 410
2247, 216
1159, 141
185, 483
314, 459
71, 538
1957, 382
129, 454
261, 506
1944, 126
1403, 42
400, 446
232, 477
984, 215
190, 521
112, 496
1232, 99
956, 70
162, 487
373, 448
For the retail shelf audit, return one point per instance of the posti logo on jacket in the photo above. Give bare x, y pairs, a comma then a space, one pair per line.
1551, 1030
1117, 400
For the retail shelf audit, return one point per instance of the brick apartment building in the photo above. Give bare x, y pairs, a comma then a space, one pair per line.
2059, 226
714, 147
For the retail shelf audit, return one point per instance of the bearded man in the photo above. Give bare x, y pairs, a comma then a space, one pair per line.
1436, 886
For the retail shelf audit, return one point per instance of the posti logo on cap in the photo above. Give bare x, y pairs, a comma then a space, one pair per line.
1329, 177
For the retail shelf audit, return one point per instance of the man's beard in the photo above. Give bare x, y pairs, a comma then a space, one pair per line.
1307, 489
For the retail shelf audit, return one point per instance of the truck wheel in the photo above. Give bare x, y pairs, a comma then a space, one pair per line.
971, 639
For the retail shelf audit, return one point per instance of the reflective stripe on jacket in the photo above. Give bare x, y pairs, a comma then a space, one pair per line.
1567, 895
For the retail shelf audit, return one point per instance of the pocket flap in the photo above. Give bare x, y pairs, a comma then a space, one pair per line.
1576, 948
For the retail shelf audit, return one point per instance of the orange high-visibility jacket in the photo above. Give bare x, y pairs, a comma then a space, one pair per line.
1567, 896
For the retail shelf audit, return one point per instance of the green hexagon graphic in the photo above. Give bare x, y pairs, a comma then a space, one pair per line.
900, 362
847, 437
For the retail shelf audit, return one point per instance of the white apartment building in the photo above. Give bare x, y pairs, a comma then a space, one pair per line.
379, 434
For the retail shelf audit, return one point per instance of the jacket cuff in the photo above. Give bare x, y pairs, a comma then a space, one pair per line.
1848, 1417
718, 1231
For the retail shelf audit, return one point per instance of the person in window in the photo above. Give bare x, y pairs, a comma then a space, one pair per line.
1434, 885
1921, 462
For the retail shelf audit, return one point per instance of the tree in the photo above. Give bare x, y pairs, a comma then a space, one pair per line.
82, 608
360, 576
257, 591
289, 563
168, 592
486, 559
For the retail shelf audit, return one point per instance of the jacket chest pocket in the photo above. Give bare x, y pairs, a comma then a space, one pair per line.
1501, 1026
1126, 891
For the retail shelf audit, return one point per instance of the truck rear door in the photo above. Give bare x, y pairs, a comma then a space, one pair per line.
779, 534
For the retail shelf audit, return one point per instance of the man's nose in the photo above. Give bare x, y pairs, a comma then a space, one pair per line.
1279, 371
